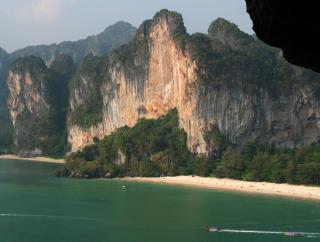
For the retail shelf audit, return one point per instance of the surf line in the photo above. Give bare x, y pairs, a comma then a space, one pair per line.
48, 217
307, 234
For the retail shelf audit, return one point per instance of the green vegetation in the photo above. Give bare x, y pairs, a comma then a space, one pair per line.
229, 34
150, 148
158, 147
225, 57
230, 57
266, 163
88, 80
32, 64
111, 38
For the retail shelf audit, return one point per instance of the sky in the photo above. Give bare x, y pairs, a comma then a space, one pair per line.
33, 22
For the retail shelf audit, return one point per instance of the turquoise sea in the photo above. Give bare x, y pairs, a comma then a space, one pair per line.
35, 206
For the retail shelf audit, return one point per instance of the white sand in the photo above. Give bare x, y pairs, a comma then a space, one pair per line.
286, 190
37, 159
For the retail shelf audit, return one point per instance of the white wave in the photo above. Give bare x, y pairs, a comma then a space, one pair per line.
250, 231
47, 216
306, 234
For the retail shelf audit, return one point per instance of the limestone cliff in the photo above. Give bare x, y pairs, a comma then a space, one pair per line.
111, 38
5, 127
226, 86
36, 100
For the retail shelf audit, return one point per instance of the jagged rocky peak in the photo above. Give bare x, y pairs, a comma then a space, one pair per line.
228, 34
174, 20
27, 66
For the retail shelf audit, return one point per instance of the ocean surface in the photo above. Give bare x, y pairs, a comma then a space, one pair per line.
35, 206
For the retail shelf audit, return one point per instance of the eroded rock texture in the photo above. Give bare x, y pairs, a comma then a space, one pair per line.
226, 86
37, 98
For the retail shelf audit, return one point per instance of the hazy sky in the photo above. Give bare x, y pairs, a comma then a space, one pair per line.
31, 22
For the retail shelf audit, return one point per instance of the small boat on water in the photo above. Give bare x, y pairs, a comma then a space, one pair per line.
215, 229
293, 234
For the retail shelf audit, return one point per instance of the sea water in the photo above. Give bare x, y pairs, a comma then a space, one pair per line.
36, 206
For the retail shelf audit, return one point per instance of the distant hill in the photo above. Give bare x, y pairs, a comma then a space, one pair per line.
3, 53
111, 38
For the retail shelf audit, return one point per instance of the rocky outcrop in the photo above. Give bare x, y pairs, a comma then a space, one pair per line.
5, 126
35, 102
227, 88
26, 100
111, 38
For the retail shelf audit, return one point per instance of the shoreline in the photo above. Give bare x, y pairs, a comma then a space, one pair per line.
35, 159
223, 184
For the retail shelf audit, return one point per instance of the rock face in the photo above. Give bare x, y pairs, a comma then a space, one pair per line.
5, 125
227, 88
100, 44
35, 102
26, 101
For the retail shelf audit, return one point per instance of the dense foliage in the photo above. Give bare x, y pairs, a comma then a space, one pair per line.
150, 148
31, 64
158, 147
88, 80
228, 56
266, 163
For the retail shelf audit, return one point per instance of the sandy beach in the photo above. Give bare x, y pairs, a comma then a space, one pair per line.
37, 159
285, 190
